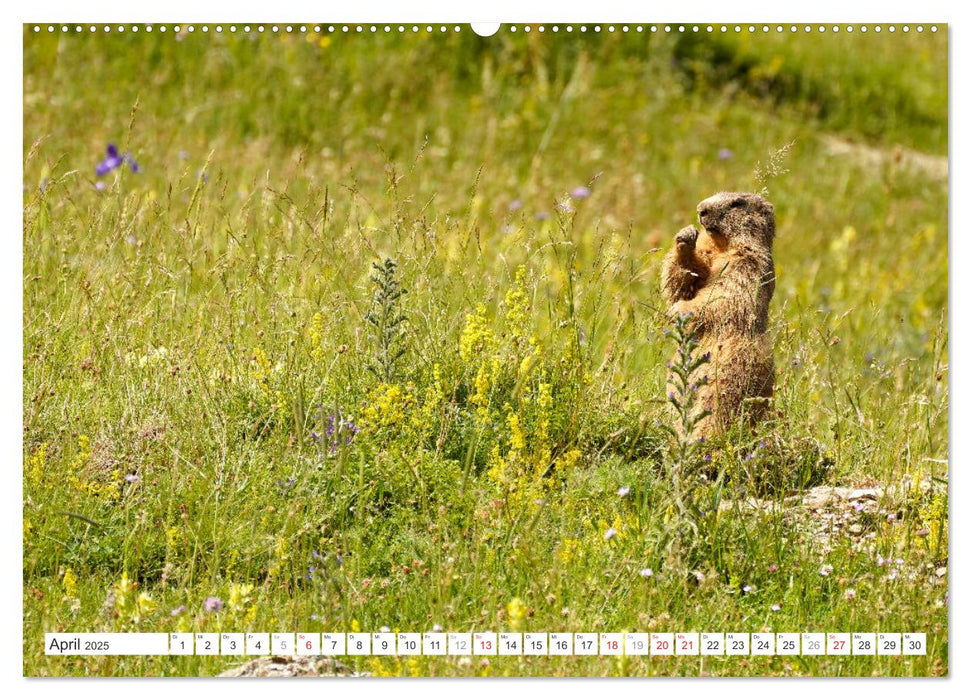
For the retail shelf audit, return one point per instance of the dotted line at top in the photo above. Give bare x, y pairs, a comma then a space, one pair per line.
182, 30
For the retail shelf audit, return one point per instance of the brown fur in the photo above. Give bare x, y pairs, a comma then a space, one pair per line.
724, 277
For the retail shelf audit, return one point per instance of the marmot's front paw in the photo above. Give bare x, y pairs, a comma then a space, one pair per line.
686, 238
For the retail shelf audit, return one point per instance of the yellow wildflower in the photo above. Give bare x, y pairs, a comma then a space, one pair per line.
316, 333
517, 438
70, 582
239, 595
477, 336
497, 465
387, 406
516, 612
568, 550
36, 464
517, 306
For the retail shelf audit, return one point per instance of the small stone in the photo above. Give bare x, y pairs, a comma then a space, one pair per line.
289, 666
819, 497
865, 494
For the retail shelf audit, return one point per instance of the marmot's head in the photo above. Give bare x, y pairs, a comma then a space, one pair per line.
738, 215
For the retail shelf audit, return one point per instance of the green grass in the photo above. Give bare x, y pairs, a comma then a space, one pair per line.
196, 324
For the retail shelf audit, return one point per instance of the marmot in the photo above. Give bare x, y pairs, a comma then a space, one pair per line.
724, 277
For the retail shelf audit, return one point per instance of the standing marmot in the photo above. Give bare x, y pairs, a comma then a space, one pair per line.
724, 277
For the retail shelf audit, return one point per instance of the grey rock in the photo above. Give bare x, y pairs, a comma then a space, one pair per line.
290, 666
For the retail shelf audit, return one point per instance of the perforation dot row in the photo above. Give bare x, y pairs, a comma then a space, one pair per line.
357, 28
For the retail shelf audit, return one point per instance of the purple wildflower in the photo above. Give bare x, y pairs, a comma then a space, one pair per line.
776, 608
647, 573
285, 486
132, 478
542, 216
178, 611
580, 192
337, 427
112, 161
213, 604
623, 491
610, 534
725, 153
515, 205
100, 185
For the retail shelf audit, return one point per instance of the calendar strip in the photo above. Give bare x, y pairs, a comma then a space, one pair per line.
658, 644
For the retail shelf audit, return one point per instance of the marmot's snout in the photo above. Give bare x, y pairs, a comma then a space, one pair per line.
707, 218
710, 215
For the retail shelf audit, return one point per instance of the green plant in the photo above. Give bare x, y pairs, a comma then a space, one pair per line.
684, 460
387, 321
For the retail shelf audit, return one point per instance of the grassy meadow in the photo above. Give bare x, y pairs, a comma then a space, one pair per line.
228, 393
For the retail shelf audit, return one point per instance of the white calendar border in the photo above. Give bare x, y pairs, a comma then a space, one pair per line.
11, 649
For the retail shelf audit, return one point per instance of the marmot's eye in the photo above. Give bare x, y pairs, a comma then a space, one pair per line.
738, 202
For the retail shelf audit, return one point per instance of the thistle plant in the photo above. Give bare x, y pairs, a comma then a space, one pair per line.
685, 376
387, 321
